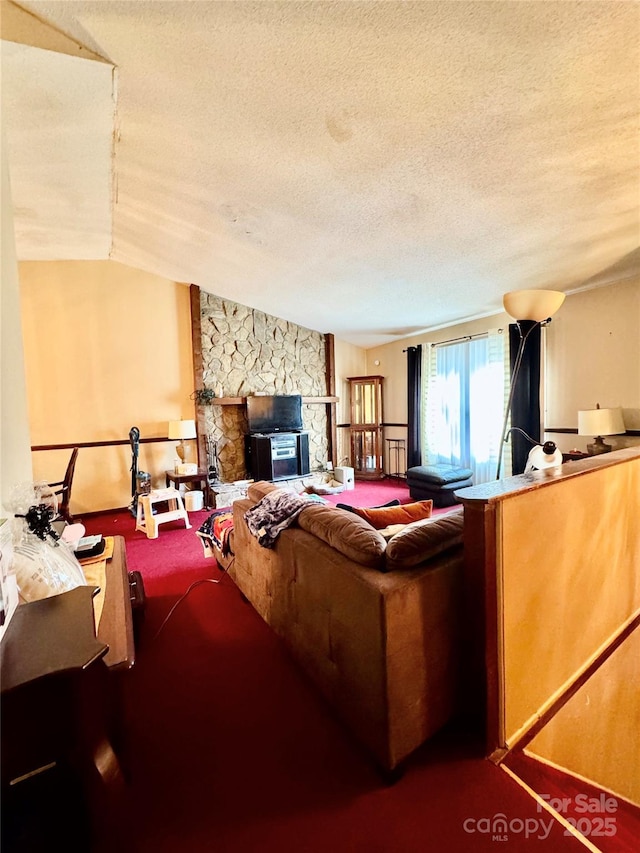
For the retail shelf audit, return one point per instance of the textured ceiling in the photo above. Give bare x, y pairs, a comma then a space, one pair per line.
366, 168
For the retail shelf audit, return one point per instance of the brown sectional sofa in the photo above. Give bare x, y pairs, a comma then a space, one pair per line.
380, 641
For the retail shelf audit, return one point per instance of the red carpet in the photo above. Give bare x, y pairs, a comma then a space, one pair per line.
371, 492
376, 492
612, 830
232, 750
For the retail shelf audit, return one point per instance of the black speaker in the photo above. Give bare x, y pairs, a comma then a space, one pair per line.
267, 457
259, 460
303, 453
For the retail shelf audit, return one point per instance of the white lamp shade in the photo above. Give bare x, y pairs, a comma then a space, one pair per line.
535, 305
182, 429
596, 422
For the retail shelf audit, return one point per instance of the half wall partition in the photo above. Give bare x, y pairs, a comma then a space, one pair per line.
552, 560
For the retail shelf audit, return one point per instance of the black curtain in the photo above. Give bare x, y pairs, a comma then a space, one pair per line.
525, 405
414, 405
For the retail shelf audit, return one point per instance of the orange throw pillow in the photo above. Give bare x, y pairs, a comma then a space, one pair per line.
403, 514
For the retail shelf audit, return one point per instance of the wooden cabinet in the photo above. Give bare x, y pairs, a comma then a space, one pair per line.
277, 456
62, 731
366, 426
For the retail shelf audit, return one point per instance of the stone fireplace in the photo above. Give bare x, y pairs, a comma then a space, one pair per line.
245, 352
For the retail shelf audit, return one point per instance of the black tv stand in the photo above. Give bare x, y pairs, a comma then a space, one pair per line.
277, 455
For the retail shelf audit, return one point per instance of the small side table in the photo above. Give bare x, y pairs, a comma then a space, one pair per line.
574, 456
200, 479
396, 446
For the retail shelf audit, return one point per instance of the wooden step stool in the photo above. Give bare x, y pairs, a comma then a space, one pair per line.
148, 522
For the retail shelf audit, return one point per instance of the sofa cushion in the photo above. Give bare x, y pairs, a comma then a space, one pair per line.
422, 540
403, 514
347, 533
259, 489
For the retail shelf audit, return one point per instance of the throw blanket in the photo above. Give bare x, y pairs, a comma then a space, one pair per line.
272, 514
215, 532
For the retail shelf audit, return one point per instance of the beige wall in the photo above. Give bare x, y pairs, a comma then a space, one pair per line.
120, 356
15, 458
107, 347
349, 361
593, 355
140, 372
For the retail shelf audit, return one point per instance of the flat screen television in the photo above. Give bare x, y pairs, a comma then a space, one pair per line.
278, 413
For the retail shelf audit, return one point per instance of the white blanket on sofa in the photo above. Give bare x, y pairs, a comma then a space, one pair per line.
272, 514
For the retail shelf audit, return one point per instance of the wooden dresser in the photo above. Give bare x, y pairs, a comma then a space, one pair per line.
62, 733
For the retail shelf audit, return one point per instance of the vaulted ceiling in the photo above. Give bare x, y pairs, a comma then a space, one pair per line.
366, 168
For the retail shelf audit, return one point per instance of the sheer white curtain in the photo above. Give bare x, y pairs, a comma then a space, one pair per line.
465, 391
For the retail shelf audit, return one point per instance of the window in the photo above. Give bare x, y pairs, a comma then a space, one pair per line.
465, 386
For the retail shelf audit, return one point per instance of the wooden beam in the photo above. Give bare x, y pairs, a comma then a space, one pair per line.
240, 401
330, 362
198, 371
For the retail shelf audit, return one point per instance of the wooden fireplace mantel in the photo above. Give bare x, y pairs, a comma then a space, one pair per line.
241, 401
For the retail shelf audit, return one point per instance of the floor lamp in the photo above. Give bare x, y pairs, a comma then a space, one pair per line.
529, 308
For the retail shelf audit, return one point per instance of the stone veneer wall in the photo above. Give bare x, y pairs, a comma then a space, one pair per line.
246, 351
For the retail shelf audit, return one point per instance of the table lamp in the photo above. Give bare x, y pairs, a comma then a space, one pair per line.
182, 430
599, 422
